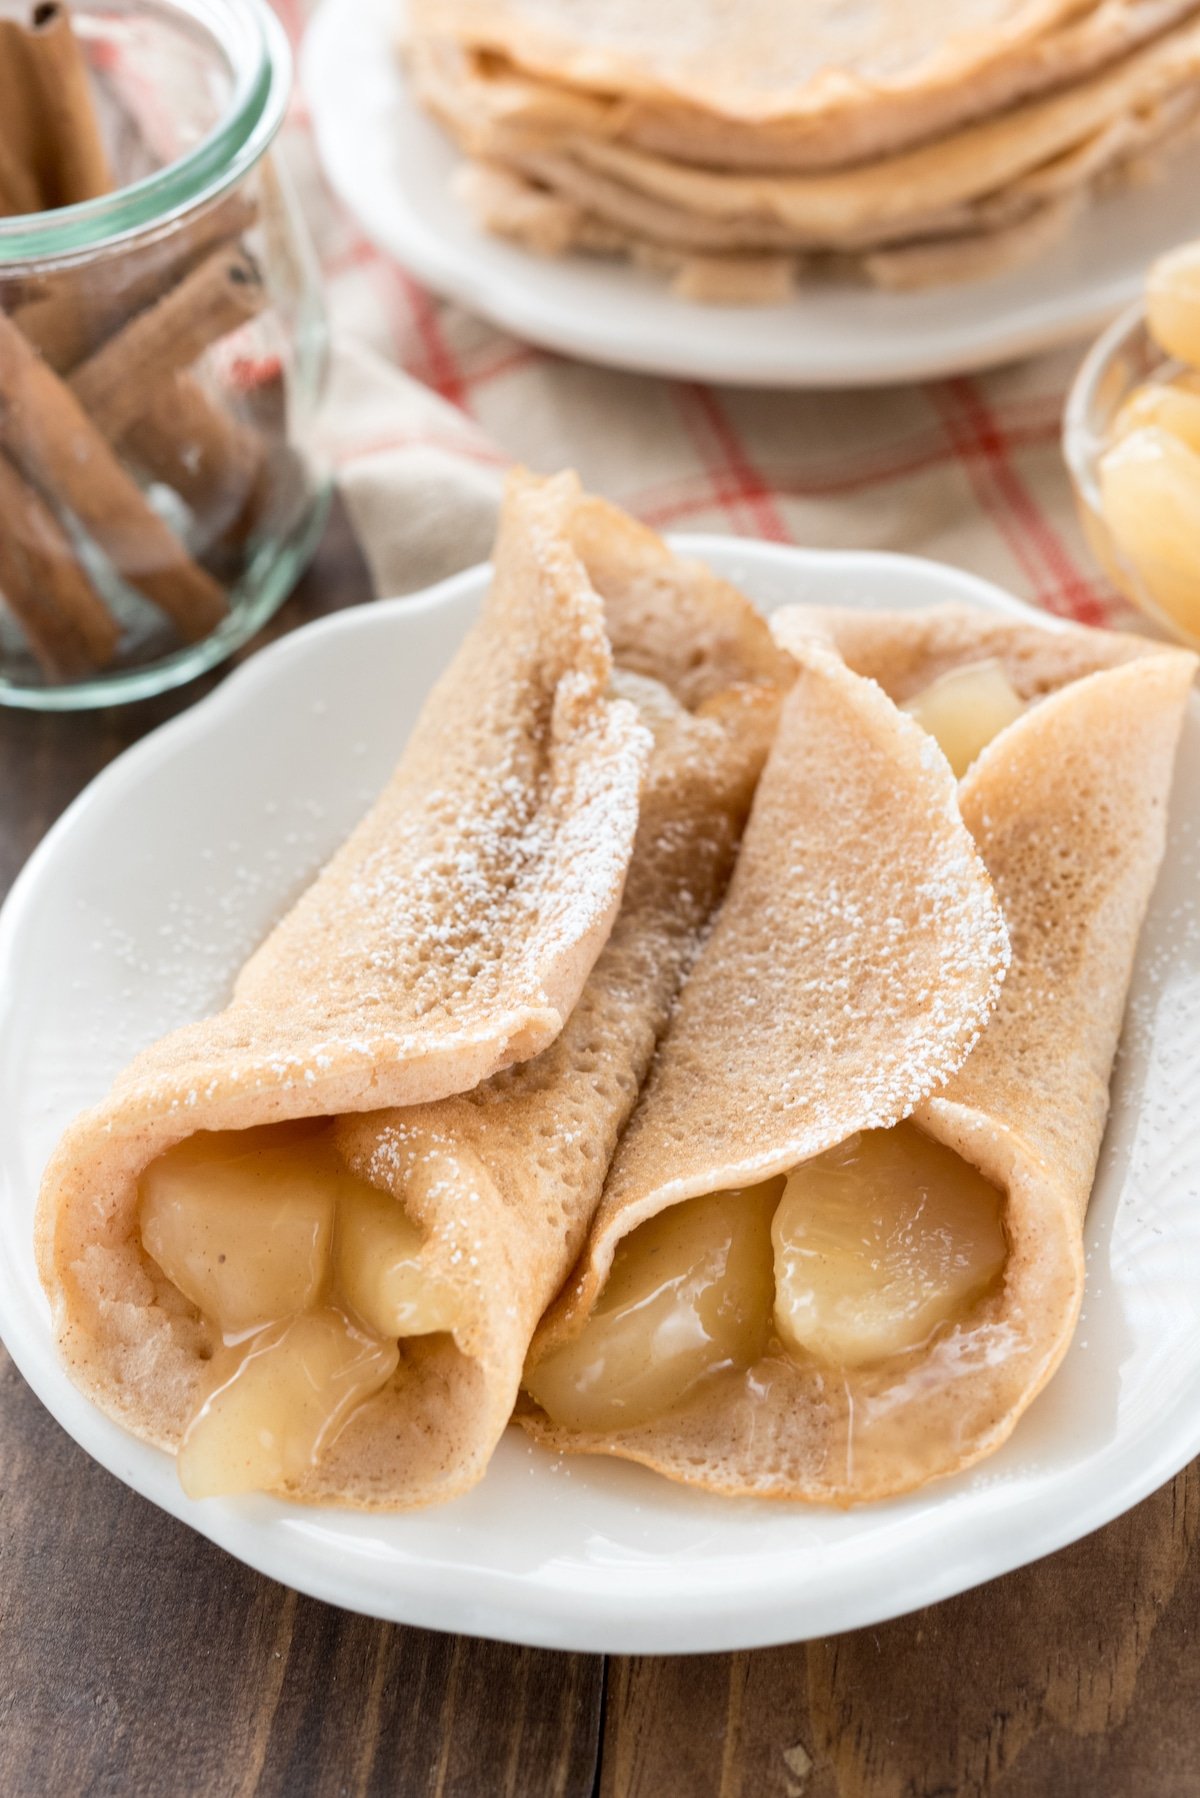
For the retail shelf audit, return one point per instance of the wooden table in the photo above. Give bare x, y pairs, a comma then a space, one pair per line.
135, 1658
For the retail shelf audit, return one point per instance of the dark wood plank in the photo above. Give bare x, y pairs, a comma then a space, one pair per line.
135, 1658
47, 758
1078, 1675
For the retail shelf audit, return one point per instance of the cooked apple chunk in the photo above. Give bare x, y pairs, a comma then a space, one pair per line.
965, 709
242, 1222
879, 1243
689, 1294
379, 1269
277, 1400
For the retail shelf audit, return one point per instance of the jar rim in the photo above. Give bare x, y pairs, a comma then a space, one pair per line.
254, 40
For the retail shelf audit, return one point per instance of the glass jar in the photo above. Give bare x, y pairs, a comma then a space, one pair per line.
162, 353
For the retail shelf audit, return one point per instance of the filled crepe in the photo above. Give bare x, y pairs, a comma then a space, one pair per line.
794, 1299
449, 937
209, 1250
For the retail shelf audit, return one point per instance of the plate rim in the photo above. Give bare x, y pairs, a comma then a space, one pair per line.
500, 1605
513, 301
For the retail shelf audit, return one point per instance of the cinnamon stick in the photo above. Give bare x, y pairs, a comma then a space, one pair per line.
135, 391
54, 151
183, 437
22, 134
60, 451
215, 463
80, 308
221, 294
62, 618
19, 190
74, 162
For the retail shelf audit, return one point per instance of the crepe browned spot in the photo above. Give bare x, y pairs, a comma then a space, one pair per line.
490, 1163
1068, 808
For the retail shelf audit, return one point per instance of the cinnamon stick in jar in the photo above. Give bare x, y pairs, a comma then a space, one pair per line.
181, 435
62, 618
24, 149
19, 190
137, 393
60, 451
81, 308
75, 165
47, 117
214, 462
219, 296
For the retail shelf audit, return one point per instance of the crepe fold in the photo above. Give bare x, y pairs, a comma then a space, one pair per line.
1068, 808
431, 950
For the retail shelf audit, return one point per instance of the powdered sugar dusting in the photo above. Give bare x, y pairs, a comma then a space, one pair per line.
460, 919
857, 957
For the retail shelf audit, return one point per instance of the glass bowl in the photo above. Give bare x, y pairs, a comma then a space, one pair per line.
1122, 359
163, 351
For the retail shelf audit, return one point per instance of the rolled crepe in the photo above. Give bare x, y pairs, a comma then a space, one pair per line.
1067, 804
447, 940
450, 936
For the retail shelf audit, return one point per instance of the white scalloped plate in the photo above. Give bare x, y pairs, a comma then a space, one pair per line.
145, 897
392, 166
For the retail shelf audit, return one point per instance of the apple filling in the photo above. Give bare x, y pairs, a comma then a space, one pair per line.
864, 1253
276, 1402
964, 709
308, 1276
1150, 490
689, 1293
881, 1243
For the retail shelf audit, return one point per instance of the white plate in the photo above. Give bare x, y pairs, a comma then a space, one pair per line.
392, 165
144, 899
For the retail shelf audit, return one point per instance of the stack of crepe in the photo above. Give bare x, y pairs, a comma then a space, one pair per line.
567, 1069
735, 146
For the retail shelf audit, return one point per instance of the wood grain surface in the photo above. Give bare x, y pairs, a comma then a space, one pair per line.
136, 1659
